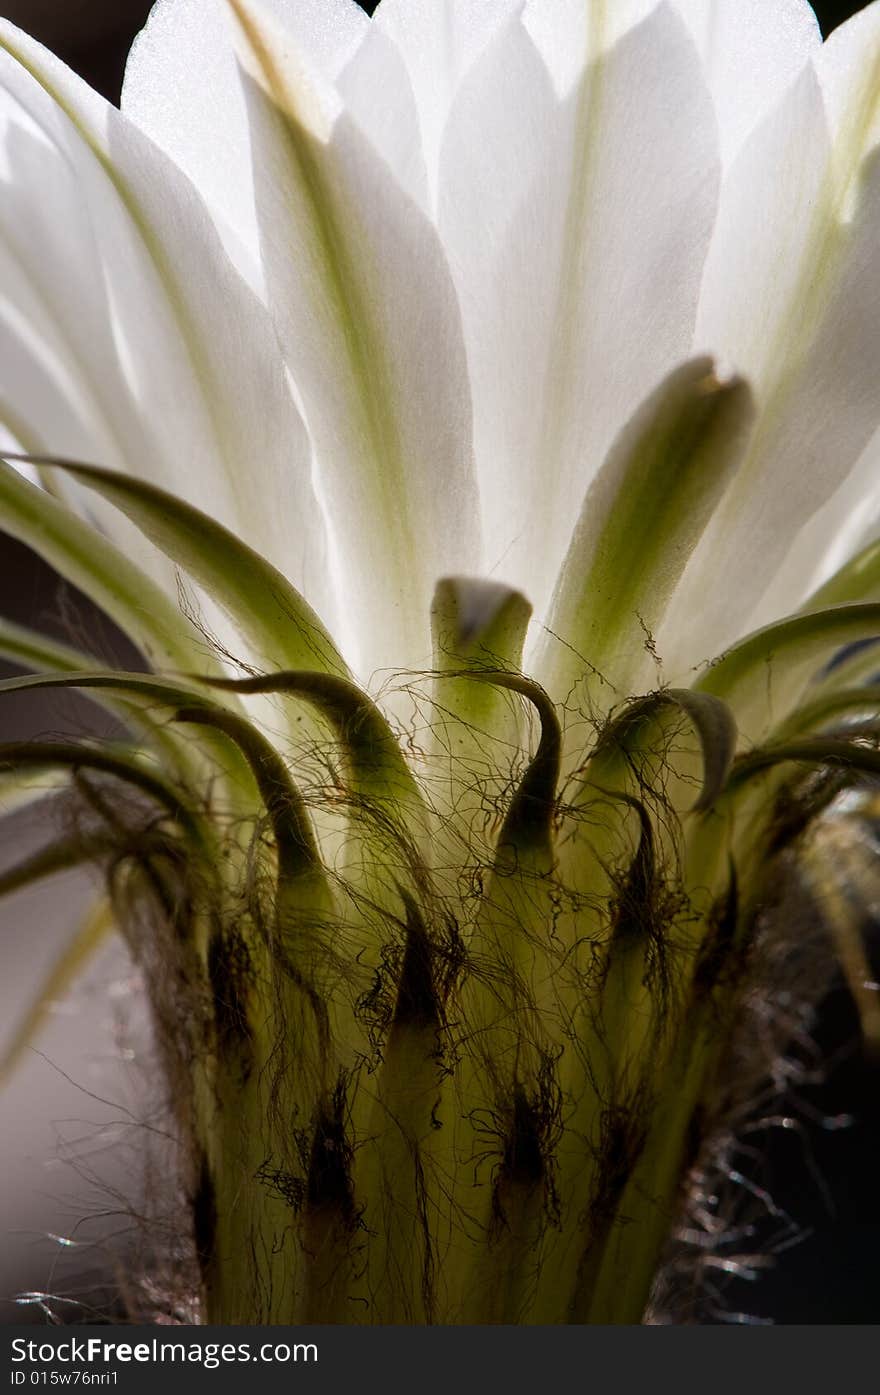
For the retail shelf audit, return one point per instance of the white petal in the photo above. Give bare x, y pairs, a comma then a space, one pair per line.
36, 409
752, 299
378, 93
840, 529
162, 344
848, 65
368, 320
792, 298
752, 50
569, 32
849, 72
182, 88
577, 229
439, 43
45, 396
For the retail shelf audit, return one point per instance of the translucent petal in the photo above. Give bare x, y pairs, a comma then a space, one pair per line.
438, 43
565, 30
182, 88
578, 293
752, 51
121, 286
804, 328
103, 573
369, 324
641, 519
379, 96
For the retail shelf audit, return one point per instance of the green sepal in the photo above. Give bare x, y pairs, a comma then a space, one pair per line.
642, 518
838, 864
629, 732
270, 613
824, 709
137, 693
31, 650
377, 769
298, 855
299, 860
91, 562
809, 751
764, 676
477, 623
21, 790
857, 580
124, 764
528, 823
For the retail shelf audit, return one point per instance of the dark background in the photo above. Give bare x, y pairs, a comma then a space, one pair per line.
825, 1180
93, 35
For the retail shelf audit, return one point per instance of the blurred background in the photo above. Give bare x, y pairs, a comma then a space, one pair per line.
76, 1116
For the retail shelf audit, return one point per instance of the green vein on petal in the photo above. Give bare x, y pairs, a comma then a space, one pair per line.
817, 329
152, 245
269, 612
640, 522
388, 407
366, 353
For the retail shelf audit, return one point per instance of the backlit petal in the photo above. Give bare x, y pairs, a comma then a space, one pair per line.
368, 322
577, 224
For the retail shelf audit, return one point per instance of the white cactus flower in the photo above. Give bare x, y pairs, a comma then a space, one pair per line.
483, 351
